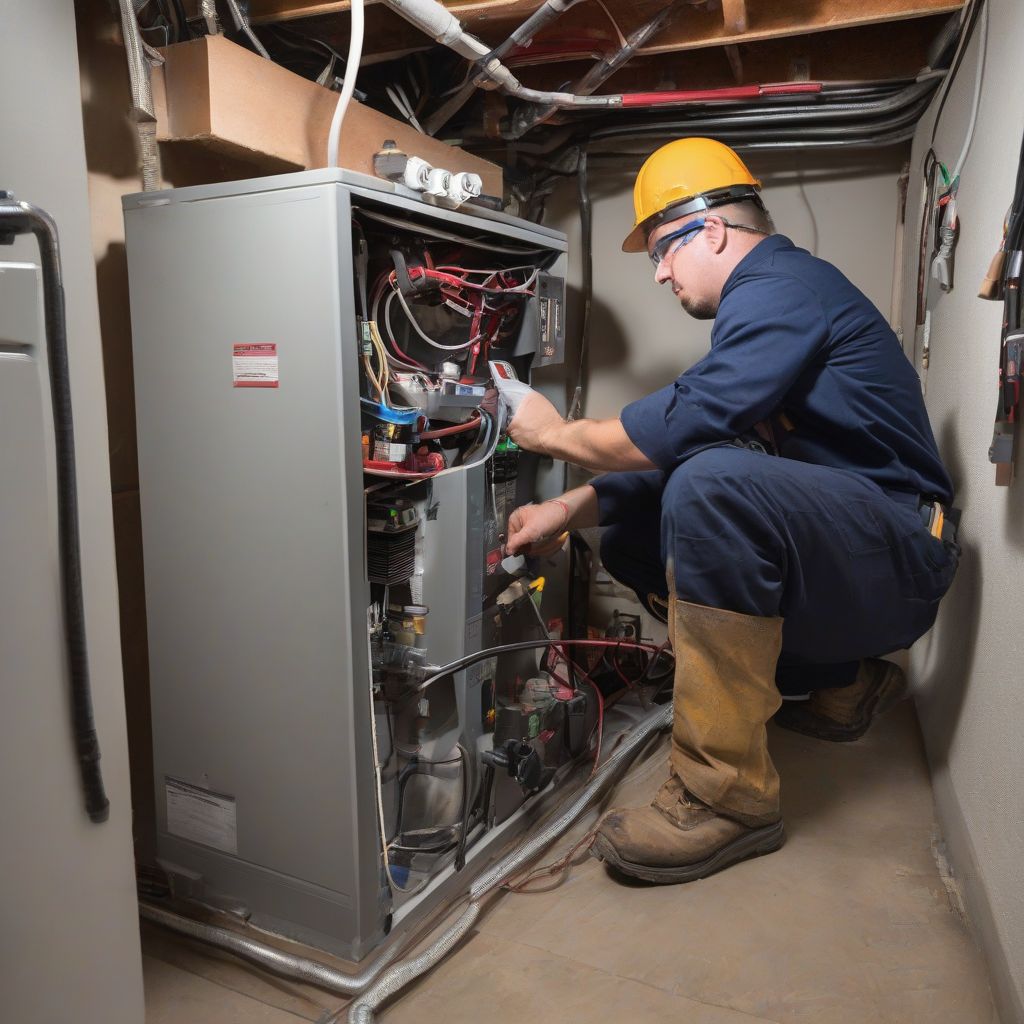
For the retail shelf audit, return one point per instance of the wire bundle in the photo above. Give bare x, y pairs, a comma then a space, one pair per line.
489, 299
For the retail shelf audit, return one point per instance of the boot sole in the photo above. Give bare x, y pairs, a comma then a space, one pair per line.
798, 719
754, 844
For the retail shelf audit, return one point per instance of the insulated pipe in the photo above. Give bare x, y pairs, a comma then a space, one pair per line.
19, 219
911, 99
443, 27
525, 119
400, 975
540, 19
288, 965
242, 24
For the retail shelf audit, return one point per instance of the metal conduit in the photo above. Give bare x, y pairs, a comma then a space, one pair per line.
287, 965
728, 132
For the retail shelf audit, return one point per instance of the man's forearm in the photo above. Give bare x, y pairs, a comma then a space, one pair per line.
599, 445
583, 510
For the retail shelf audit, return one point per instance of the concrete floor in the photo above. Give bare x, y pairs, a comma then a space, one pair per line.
849, 923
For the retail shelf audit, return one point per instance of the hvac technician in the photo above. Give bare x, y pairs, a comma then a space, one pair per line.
784, 494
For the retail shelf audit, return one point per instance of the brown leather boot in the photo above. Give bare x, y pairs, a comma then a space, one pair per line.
678, 838
843, 713
722, 803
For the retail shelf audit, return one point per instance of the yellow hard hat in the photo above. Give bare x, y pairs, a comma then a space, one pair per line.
683, 177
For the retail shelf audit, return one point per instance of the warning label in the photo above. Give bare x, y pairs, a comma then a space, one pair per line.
254, 366
201, 815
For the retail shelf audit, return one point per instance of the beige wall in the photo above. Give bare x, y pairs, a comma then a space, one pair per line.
968, 672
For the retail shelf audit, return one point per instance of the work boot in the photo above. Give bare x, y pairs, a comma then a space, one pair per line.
678, 838
722, 802
843, 713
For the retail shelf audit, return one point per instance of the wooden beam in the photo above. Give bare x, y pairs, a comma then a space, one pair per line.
223, 98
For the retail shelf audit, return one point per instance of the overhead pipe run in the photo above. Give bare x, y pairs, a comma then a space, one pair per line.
443, 27
540, 19
525, 119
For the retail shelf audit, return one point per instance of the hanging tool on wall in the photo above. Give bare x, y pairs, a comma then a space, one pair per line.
1003, 282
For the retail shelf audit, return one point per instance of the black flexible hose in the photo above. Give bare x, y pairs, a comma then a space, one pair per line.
23, 218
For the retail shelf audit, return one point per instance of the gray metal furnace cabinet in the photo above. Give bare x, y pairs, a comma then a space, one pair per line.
254, 545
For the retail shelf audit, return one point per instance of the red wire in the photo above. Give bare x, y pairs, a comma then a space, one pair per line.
429, 435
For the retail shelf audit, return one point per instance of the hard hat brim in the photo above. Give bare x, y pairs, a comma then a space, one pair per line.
636, 240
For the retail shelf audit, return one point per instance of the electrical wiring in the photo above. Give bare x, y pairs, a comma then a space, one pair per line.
443, 671
397, 96
978, 78
614, 23
461, 347
243, 26
459, 428
489, 445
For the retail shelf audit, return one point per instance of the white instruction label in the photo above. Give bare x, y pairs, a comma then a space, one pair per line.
200, 815
254, 366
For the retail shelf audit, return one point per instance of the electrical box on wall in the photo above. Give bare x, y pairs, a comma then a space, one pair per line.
325, 486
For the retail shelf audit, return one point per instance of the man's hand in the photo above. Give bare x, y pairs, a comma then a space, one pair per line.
536, 529
533, 422
537, 426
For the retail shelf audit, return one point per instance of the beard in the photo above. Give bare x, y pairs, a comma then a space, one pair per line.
699, 309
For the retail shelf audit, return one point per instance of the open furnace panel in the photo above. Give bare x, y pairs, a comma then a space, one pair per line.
324, 484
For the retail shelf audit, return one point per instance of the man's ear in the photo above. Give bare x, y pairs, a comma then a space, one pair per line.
715, 233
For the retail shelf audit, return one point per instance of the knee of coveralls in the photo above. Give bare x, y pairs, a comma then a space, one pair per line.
849, 567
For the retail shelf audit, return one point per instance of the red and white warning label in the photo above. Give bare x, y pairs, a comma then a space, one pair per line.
254, 366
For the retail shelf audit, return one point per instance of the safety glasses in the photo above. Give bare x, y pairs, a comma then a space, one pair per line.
675, 240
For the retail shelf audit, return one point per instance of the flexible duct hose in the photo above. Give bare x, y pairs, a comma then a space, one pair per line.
143, 114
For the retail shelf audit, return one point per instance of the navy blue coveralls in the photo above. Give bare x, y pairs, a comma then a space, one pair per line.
829, 535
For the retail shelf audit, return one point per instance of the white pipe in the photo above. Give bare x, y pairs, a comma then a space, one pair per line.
443, 27
355, 53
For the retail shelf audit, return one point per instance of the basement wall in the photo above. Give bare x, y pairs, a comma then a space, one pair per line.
968, 673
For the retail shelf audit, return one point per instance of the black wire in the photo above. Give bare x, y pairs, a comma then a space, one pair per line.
523, 645
184, 32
